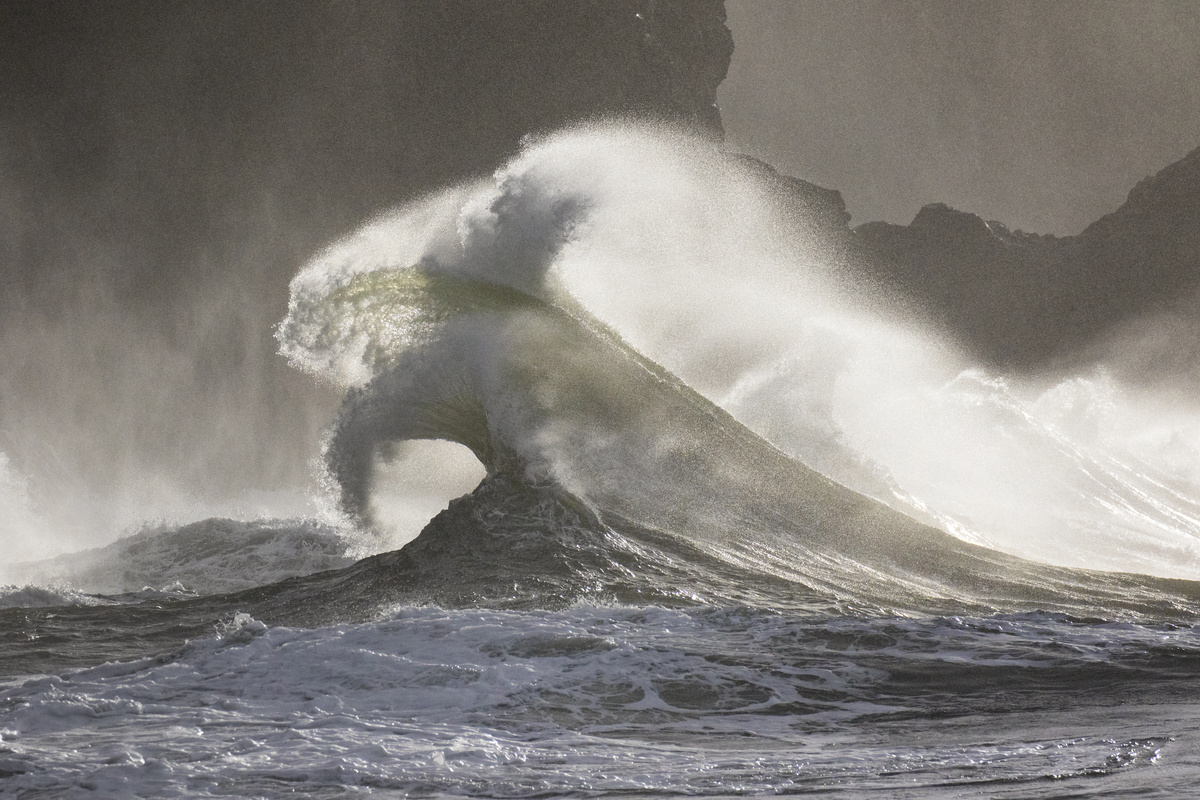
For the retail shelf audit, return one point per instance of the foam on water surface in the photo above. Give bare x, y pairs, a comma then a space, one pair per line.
596, 700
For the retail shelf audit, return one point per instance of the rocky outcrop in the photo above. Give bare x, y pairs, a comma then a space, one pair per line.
986, 283
679, 58
1023, 300
1144, 256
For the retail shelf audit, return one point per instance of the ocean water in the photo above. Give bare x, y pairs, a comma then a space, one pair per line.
740, 525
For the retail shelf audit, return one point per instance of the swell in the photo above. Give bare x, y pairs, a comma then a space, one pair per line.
213, 556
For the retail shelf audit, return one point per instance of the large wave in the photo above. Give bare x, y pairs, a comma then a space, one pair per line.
641, 322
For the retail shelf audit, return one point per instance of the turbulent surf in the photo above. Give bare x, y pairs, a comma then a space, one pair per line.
743, 525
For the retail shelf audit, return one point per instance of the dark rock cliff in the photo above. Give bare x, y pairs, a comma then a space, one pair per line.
1145, 256
992, 286
1023, 300
144, 127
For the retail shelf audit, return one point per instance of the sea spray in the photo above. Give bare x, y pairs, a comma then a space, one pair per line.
660, 247
20, 527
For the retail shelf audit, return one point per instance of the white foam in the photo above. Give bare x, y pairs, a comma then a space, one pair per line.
22, 532
30, 596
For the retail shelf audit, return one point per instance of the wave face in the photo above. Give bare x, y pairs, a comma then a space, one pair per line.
636, 321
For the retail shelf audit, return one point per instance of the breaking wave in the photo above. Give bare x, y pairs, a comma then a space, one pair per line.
627, 323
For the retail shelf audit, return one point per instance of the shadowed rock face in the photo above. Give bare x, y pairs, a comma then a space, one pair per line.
1019, 300
994, 287
1023, 300
166, 166
1144, 256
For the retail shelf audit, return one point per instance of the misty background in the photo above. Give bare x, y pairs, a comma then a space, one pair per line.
1040, 114
166, 167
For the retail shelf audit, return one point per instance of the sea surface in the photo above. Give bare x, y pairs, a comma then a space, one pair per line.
743, 526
